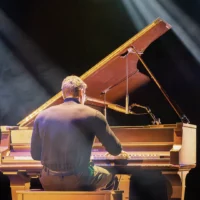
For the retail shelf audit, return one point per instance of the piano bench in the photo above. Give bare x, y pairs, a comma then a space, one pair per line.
69, 195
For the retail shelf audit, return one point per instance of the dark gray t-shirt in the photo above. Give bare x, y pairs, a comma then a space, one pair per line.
63, 136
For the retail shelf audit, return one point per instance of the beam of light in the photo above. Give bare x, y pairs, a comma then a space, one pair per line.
18, 89
24, 74
183, 26
135, 15
31, 55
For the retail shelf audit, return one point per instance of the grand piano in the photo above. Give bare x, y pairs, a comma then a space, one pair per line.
168, 148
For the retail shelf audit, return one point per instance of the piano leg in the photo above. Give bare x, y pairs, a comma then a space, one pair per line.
183, 174
17, 182
166, 184
124, 182
174, 184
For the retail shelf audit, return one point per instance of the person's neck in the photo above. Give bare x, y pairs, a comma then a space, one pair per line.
75, 99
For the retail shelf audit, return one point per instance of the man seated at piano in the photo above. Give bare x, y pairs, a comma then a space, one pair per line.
62, 140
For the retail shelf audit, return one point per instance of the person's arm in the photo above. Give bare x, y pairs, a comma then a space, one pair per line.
36, 142
105, 135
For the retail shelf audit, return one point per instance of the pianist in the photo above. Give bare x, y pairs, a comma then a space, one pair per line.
62, 140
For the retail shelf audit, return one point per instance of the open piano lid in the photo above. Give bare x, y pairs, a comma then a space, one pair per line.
110, 75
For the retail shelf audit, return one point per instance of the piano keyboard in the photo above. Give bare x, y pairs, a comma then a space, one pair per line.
100, 156
22, 158
18, 159
132, 156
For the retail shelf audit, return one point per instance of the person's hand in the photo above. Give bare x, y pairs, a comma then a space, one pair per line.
123, 155
107, 155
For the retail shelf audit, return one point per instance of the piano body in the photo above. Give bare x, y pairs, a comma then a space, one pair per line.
169, 148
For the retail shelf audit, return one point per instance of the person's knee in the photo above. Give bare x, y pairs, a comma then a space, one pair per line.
109, 177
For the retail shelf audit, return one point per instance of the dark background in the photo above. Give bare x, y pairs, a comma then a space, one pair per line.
75, 35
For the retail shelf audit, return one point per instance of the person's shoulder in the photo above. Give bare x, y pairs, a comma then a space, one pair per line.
90, 110
96, 113
99, 115
45, 112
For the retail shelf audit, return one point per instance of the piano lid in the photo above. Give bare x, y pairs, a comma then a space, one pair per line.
110, 74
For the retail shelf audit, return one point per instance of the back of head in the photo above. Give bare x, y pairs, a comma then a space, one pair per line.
72, 85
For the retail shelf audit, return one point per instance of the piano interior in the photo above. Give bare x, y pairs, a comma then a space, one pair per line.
169, 148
